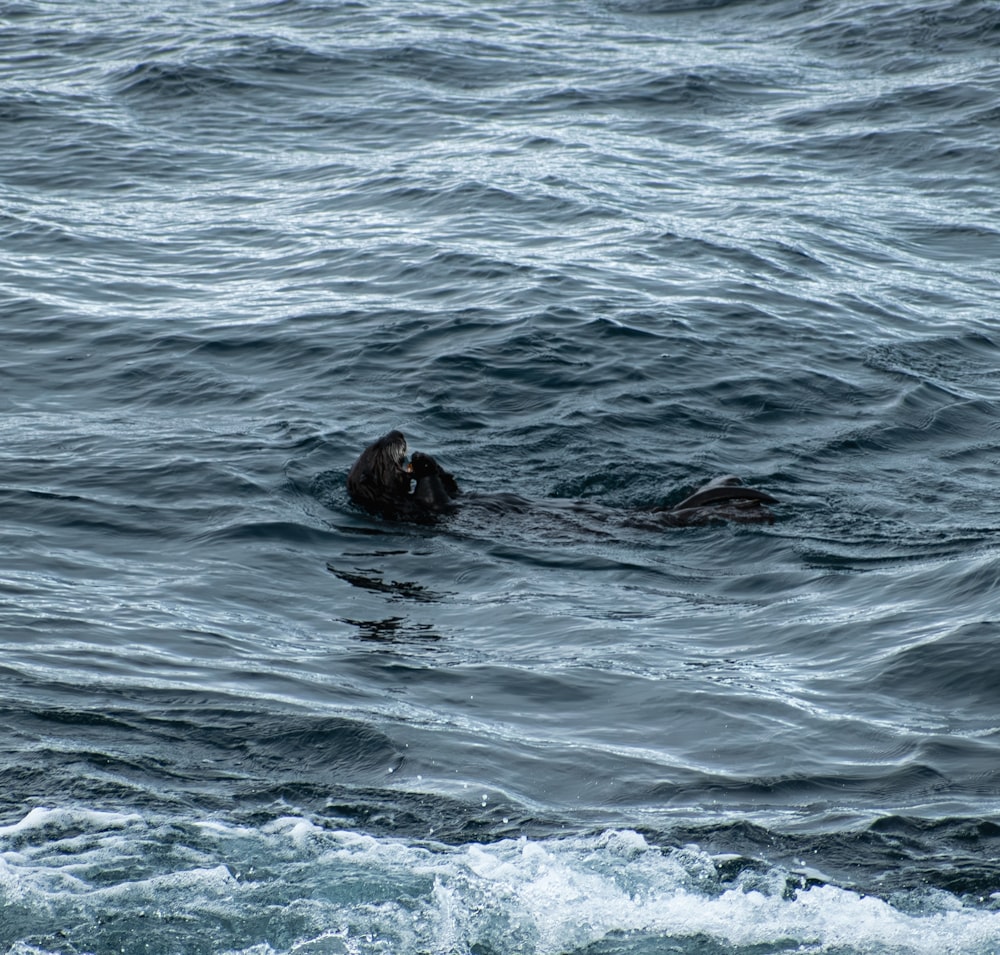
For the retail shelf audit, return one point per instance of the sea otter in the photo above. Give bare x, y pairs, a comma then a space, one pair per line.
383, 483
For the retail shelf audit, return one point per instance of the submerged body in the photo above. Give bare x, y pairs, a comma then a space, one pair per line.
723, 498
383, 483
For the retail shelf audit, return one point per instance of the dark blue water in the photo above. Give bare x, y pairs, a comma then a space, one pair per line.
590, 252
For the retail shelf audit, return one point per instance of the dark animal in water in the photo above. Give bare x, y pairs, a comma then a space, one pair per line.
723, 498
435, 488
379, 481
383, 483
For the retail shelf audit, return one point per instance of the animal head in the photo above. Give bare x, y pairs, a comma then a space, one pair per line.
378, 480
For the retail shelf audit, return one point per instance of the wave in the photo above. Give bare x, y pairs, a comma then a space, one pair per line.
291, 885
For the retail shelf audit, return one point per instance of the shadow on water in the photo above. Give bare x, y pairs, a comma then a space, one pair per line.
394, 630
369, 579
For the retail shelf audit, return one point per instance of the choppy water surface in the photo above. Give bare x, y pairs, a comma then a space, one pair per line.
582, 252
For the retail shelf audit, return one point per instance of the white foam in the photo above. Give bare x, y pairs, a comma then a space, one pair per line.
42, 818
347, 892
568, 894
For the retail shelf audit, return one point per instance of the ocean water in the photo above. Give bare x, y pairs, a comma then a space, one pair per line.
591, 253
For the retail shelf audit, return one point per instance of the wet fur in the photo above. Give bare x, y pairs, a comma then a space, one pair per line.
435, 488
380, 482
377, 481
